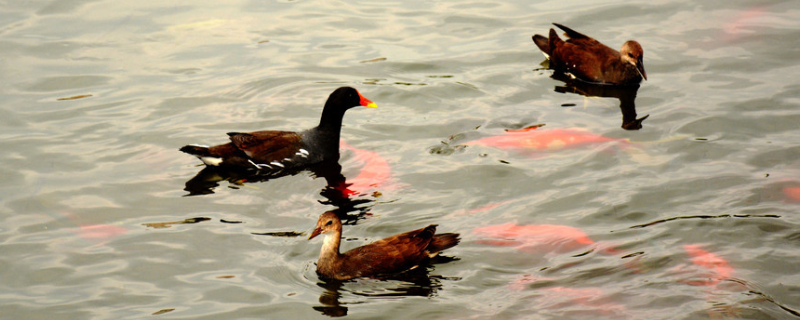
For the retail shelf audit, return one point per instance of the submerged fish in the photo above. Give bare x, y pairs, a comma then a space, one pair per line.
100, 232
590, 300
744, 22
375, 173
539, 238
792, 194
718, 268
97, 233
483, 208
544, 139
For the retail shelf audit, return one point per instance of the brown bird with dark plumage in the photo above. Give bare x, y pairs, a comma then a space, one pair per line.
589, 60
398, 253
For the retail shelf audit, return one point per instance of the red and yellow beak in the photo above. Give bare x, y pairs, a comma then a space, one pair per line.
365, 102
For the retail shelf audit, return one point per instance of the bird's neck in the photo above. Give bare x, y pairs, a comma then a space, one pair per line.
331, 119
329, 255
325, 141
329, 130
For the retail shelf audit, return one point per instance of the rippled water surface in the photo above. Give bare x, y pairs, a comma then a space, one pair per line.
693, 216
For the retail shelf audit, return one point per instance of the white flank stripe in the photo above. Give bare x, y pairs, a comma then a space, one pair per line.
259, 166
276, 164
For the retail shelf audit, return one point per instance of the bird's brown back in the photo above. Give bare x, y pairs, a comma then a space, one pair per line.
267, 146
393, 254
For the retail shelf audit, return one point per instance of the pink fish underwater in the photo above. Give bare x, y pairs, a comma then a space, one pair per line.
100, 232
96, 233
484, 208
586, 299
744, 22
375, 173
544, 139
716, 268
541, 238
792, 194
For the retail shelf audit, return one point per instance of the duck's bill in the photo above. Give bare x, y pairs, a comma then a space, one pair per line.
367, 103
314, 233
640, 67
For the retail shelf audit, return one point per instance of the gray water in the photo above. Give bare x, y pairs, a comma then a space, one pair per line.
97, 96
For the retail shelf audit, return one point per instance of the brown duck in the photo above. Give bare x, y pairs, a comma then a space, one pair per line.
398, 253
275, 151
589, 60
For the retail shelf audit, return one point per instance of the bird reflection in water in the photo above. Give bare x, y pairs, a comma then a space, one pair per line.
210, 177
374, 173
626, 95
417, 282
335, 191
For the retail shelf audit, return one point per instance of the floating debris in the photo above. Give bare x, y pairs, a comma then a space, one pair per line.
534, 126
373, 60
280, 234
163, 311
635, 254
161, 225
75, 97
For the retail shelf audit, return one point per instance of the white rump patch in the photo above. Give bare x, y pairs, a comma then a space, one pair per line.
211, 161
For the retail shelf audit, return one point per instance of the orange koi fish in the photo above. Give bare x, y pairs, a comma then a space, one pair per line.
484, 208
375, 173
792, 194
543, 140
538, 238
560, 297
718, 268
98, 233
736, 26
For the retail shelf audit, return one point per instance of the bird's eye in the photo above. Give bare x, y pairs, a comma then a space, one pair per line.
329, 223
630, 55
